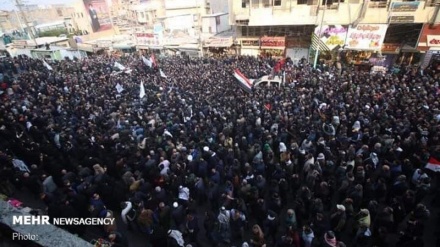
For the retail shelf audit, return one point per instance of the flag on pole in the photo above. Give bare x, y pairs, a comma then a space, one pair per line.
142, 90
153, 60
119, 88
119, 66
162, 74
47, 65
433, 164
147, 62
244, 82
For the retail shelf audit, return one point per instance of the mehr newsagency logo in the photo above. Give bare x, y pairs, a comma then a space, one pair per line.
45, 220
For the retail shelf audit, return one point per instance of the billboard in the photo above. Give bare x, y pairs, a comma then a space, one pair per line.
366, 37
98, 13
332, 35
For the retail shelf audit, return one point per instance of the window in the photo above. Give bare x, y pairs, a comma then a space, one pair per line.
433, 3
142, 15
277, 3
82, 15
378, 4
267, 3
244, 3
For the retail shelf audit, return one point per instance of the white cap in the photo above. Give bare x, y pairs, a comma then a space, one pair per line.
320, 156
175, 204
206, 148
189, 158
340, 207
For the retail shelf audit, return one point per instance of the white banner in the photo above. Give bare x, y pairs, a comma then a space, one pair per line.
366, 37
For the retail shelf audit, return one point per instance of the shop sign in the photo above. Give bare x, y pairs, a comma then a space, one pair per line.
147, 39
218, 42
19, 42
279, 42
366, 36
250, 42
390, 48
300, 41
404, 6
433, 40
401, 19
332, 35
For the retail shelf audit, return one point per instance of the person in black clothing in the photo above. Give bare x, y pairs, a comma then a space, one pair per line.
117, 239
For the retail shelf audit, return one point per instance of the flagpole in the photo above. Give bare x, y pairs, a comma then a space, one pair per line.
319, 36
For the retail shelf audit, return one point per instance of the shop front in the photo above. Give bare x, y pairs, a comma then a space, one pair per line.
297, 48
148, 42
216, 46
403, 36
250, 46
273, 47
327, 42
390, 55
364, 42
429, 45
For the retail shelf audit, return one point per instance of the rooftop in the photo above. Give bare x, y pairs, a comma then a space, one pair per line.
48, 40
56, 23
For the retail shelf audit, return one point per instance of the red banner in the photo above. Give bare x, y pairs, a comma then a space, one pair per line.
273, 41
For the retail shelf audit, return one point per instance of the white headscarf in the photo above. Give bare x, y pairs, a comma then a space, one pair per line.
177, 235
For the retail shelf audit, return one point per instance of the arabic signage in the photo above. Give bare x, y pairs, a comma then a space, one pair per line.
390, 48
404, 6
19, 42
332, 35
430, 31
147, 39
401, 19
433, 40
250, 42
295, 42
366, 36
273, 42
218, 42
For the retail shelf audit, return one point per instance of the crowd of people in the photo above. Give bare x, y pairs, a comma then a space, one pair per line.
334, 157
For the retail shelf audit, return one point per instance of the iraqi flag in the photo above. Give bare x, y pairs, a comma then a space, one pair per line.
244, 82
433, 164
153, 60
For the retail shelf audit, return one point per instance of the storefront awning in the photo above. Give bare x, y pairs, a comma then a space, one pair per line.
152, 47
218, 42
86, 47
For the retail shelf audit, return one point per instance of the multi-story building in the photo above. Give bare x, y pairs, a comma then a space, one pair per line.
46, 14
361, 29
5, 21
179, 25
94, 18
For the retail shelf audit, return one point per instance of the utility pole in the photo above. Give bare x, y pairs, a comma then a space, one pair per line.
29, 31
319, 36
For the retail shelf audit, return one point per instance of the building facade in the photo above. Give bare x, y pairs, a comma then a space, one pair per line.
323, 29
